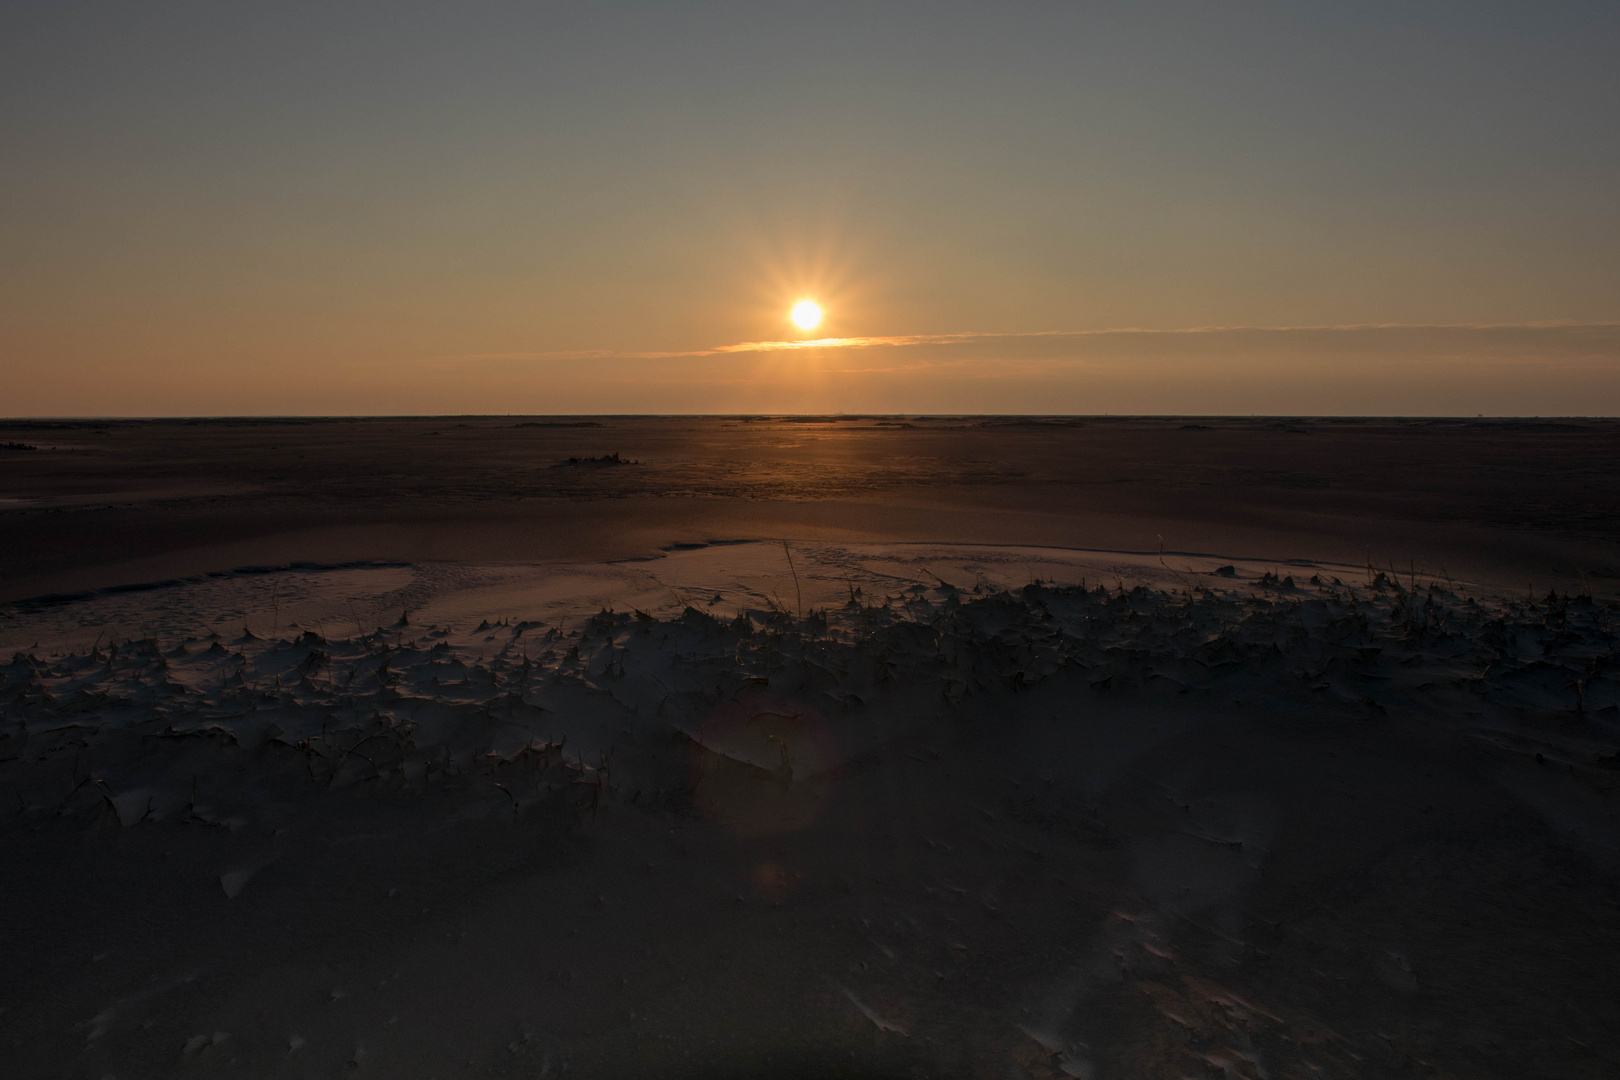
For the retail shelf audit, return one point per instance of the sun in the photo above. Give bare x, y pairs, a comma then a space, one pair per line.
806, 315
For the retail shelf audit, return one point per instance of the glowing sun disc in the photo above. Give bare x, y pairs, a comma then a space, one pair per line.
806, 315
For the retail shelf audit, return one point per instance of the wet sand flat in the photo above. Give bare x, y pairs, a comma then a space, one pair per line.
1522, 502
874, 747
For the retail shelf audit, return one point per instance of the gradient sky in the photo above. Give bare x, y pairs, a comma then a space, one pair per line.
404, 207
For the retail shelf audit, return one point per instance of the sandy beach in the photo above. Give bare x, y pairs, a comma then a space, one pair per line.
775, 782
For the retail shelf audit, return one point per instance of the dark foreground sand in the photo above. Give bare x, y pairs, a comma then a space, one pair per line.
887, 788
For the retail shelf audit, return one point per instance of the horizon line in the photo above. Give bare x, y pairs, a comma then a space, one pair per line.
8, 421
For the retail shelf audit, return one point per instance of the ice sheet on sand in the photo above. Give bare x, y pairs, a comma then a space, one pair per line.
721, 578
597, 694
1111, 822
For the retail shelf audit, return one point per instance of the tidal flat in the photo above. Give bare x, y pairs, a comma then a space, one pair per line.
810, 746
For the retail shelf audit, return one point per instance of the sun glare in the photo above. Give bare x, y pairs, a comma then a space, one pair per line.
806, 315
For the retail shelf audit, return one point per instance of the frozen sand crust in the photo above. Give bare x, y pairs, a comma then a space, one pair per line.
745, 574
1231, 773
